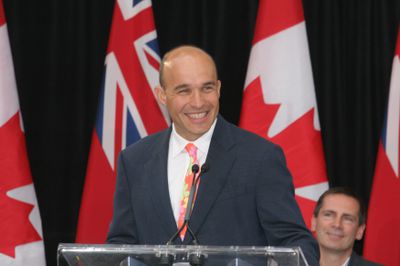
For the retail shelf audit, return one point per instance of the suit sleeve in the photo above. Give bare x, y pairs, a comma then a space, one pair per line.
277, 208
122, 228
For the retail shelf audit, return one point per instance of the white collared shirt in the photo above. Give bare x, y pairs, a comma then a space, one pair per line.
178, 161
346, 262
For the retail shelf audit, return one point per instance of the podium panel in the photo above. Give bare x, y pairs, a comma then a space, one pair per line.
165, 255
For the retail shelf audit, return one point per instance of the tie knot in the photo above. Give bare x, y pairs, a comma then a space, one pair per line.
191, 150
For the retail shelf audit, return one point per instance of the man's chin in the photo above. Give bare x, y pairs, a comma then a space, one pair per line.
199, 126
336, 248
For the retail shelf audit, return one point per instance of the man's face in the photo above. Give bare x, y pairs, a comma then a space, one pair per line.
336, 226
191, 93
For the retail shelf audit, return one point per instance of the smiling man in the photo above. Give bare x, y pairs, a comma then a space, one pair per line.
245, 196
190, 89
339, 219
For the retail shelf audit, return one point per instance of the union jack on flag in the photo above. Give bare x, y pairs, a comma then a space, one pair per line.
127, 110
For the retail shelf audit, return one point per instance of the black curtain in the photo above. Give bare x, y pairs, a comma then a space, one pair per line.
59, 48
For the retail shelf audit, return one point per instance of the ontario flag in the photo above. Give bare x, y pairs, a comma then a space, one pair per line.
279, 100
21, 240
382, 236
127, 111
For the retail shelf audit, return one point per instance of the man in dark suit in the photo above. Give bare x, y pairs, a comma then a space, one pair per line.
338, 220
246, 196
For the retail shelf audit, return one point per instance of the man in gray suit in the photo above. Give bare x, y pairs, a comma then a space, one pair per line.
338, 220
246, 195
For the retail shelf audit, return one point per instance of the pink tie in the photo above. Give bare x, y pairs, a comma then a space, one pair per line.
192, 151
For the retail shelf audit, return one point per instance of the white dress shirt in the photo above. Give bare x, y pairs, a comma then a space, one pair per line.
178, 162
346, 262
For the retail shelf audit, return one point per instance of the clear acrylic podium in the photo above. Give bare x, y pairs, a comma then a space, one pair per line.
163, 255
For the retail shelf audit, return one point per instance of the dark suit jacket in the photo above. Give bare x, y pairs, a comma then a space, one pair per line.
356, 260
245, 198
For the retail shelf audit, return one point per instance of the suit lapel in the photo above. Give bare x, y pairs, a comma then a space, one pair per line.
156, 169
220, 161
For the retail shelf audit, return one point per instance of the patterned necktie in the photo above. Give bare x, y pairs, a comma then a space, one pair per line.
192, 151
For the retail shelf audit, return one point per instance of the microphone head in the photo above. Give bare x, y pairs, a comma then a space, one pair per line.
195, 168
205, 167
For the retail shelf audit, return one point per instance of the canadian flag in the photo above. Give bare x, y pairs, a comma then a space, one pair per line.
279, 100
21, 241
382, 236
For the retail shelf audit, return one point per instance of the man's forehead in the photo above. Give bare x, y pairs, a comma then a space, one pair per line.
340, 202
188, 67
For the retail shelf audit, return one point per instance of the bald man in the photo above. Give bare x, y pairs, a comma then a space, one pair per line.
246, 196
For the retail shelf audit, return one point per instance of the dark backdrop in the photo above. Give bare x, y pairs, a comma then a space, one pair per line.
59, 48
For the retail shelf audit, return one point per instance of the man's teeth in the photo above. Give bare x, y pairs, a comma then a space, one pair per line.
336, 234
198, 115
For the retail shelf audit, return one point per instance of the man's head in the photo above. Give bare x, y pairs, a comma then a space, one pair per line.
339, 219
190, 89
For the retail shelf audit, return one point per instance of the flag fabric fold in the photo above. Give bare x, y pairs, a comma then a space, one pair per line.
21, 241
279, 100
382, 236
127, 111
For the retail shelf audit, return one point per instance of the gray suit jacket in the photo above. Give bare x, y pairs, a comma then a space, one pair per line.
246, 197
356, 260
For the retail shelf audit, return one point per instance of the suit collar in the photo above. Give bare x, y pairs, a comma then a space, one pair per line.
156, 170
220, 161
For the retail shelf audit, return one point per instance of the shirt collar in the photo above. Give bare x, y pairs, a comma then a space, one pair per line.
346, 262
202, 143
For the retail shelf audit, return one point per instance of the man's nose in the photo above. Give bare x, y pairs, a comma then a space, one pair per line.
337, 222
197, 99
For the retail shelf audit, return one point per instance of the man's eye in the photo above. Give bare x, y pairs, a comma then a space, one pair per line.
183, 91
209, 88
349, 219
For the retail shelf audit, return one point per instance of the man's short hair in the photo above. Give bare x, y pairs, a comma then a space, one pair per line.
342, 191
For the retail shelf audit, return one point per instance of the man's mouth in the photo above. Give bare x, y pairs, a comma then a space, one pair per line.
197, 115
335, 234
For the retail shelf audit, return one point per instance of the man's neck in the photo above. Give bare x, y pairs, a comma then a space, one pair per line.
328, 258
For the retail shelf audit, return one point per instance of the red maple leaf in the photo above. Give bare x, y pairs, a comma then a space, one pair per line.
256, 116
300, 142
15, 227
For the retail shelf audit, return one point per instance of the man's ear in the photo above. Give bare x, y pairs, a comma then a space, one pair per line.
313, 223
161, 96
219, 88
360, 232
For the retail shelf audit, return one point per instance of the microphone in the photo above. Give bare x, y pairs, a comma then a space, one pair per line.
195, 170
193, 188
195, 259
205, 168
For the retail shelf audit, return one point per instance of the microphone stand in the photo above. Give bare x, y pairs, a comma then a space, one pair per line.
195, 170
194, 259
